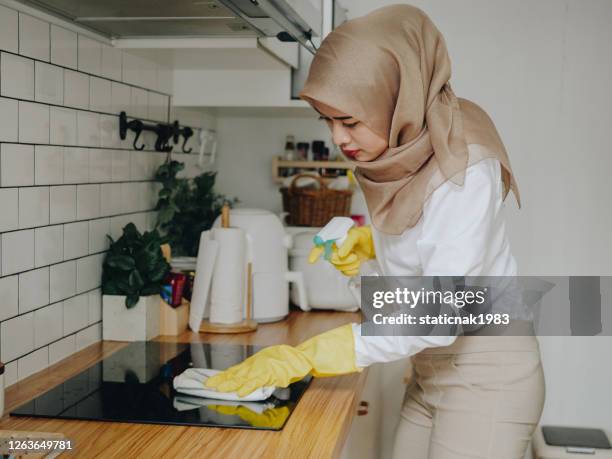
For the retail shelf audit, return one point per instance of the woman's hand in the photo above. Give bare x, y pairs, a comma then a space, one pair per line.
276, 366
357, 248
328, 354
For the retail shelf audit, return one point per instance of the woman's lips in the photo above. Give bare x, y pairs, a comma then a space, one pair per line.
350, 153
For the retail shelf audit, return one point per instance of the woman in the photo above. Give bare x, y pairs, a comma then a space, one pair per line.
434, 173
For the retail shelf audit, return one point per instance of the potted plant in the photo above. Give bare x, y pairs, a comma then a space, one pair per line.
187, 207
133, 271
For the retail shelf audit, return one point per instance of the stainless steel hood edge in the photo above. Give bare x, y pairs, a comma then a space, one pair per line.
300, 19
284, 16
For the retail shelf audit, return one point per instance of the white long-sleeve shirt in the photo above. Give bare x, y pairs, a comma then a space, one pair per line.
461, 233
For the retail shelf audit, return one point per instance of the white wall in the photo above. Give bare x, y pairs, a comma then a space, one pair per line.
247, 146
67, 179
542, 69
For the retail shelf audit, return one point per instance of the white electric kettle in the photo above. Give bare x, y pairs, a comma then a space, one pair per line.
269, 244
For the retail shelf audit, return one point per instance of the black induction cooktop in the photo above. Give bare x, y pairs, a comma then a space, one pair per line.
135, 385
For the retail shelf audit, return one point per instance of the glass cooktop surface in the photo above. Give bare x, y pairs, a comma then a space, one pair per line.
135, 385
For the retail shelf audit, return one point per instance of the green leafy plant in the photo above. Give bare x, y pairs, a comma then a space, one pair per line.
166, 204
187, 207
134, 265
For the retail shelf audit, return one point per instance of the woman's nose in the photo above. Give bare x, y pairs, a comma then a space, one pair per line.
340, 134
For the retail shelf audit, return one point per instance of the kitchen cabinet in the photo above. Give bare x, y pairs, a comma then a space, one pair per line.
240, 71
372, 432
220, 53
363, 441
394, 379
223, 72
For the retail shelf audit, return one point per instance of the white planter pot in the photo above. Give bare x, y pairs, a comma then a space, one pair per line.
140, 323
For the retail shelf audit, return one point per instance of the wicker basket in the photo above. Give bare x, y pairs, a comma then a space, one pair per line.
314, 207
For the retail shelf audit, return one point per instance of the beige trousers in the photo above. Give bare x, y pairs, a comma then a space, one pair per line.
481, 397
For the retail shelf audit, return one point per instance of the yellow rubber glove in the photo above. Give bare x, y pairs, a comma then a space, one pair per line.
328, 354
357, 248
272, 418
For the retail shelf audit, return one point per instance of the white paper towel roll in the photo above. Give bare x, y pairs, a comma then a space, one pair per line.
227, 290
205, 264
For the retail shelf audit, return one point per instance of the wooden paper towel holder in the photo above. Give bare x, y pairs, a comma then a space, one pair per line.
248, 324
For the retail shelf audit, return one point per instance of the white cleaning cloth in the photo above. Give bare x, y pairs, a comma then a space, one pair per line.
188, 402
191, 382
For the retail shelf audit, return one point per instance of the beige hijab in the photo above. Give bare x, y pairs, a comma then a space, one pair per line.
390, 69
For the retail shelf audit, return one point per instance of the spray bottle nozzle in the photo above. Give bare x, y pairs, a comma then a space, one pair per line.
326, 244
334, 232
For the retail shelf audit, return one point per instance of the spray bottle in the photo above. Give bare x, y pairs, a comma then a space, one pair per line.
335, 233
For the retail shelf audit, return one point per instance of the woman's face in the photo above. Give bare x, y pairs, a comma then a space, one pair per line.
354, 138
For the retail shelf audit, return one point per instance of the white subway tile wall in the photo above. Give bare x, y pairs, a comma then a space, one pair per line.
100, 95
78, 235
76, 89
34, 36
32, 298
33, 362
48, 245
9, 29
17, 76
9, 292
76, 310
62, 281
63, 47
9, 217
63, 126
61, 349
89, 55
33, 206
62, 204
49, 161
17, 337
111, 62
66, 181
17, 251
48, 83
48, 324
33, 122
16, 165
8, 120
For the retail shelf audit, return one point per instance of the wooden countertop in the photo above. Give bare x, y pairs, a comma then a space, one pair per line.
317, 428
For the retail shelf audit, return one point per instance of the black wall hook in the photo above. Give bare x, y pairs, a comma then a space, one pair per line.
133, 125
164, 132
186, 132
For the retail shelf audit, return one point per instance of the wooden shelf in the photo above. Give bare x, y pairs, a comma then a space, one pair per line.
278, 163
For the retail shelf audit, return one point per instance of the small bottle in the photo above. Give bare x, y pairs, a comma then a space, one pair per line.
289, 154
327, 172
302, 151
302, 154
318, 147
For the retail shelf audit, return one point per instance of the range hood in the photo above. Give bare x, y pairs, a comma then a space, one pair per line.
287, 19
